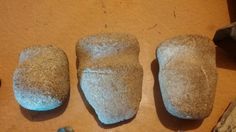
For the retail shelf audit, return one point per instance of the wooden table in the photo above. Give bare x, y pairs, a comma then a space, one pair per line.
62, 22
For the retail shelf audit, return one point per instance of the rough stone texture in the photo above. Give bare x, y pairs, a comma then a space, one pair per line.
227, 122
41, 80
110, 75
226, 38
187, 76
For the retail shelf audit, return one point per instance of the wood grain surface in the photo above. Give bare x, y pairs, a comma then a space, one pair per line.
63, 22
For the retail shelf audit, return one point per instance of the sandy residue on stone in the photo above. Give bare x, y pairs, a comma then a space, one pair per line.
110, 75
187, 75
41, 80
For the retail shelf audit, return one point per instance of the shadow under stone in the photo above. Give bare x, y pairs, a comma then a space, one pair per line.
225, 60
44, 115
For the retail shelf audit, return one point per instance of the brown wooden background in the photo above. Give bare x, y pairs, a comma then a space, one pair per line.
62, 22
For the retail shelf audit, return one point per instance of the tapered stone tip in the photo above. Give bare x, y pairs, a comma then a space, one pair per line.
41, 80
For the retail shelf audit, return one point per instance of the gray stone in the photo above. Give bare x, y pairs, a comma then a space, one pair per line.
66, 129
227, 122
187, 76
110, 75
41, 80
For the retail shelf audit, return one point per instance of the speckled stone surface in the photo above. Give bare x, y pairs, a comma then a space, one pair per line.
187, 76
227, 123
110, 75
41, 80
